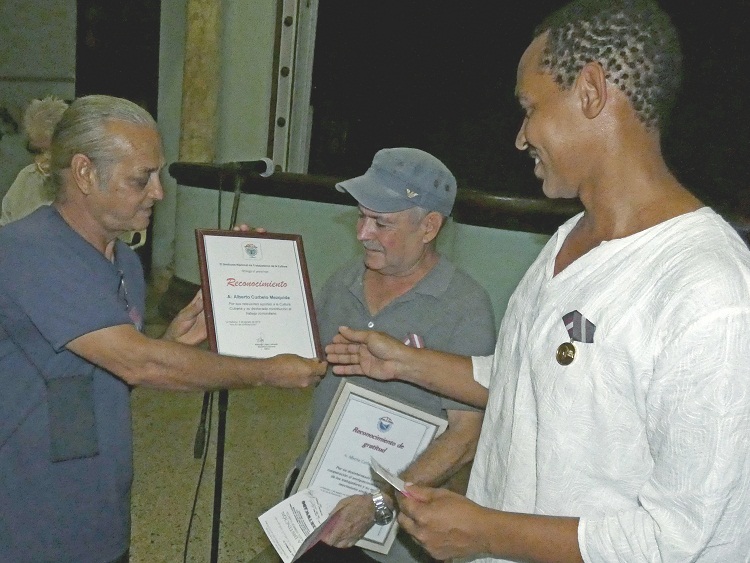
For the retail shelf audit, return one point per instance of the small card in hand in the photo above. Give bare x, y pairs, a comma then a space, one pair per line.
397, 482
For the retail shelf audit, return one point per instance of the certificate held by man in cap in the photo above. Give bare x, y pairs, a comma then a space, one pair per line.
363, 431
256, 294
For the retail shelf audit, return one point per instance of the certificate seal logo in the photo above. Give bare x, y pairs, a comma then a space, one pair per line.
252, 250
384, 424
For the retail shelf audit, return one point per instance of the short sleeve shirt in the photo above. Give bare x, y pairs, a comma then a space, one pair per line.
57, 287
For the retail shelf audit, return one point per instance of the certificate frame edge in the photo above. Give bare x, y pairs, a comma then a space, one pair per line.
343, 391
200, 235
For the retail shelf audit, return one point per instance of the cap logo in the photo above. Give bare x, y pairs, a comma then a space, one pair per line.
410, 194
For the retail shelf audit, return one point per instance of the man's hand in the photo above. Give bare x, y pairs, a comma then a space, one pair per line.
444, 522
365, 352
244, 228
354, 518
189, 326
292, 371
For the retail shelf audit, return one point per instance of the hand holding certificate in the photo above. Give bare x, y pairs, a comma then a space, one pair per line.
363, 433
300, 521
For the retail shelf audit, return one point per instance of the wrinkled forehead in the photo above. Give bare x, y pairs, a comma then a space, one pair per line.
137, 141
388, 217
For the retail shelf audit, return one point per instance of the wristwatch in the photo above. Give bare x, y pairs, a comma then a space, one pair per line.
383, 514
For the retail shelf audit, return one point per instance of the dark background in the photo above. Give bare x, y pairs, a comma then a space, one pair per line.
440, 75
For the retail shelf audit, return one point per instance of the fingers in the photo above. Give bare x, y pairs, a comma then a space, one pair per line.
407, 523
319, 367
194, 308
352, 335
314, 369
342, 369
244, 228
418, 493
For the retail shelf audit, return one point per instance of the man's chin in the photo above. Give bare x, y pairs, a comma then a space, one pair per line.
557, 192
373, 264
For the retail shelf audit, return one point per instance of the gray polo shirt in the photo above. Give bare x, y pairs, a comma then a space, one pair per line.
447, 309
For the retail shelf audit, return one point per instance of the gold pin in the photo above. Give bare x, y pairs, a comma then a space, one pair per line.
566, 353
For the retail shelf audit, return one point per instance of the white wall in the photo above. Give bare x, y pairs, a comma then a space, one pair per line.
247, 44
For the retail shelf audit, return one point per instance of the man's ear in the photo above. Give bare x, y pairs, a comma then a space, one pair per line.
431, 223
84, 173
592, 89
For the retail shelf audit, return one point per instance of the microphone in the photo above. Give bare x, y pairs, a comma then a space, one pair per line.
264, 166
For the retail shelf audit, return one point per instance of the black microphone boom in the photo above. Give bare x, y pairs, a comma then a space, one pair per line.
264, 166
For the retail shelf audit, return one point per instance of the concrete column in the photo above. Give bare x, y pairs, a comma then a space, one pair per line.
188, 110
200, 82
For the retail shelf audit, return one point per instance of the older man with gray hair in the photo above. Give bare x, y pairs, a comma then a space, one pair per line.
405, 288
71, 348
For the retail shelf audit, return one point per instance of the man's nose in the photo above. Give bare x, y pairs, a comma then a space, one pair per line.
156, 190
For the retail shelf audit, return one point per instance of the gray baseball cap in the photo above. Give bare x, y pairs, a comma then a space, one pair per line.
402, 178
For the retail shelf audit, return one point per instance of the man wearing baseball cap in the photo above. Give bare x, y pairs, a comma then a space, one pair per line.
405, 288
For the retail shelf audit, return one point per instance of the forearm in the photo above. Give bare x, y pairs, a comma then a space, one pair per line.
178, 367
532, 538
162, 364
449, 452
450, 375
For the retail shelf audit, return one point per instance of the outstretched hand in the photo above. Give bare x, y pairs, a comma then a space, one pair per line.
189, 326
365, 352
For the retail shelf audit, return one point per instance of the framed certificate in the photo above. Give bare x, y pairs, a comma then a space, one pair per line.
256, 294
362, 424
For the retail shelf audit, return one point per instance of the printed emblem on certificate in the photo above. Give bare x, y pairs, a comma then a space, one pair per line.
256, 294
362, 425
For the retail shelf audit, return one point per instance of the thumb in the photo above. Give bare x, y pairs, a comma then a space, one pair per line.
357, 336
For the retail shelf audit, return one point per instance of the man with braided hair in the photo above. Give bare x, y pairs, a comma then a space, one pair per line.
618, 404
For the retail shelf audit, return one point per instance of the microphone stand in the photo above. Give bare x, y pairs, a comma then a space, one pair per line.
200, 439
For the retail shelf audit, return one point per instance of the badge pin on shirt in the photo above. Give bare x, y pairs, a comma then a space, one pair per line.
414, 340
580, 329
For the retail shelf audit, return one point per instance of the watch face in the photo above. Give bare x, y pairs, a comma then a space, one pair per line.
383, 514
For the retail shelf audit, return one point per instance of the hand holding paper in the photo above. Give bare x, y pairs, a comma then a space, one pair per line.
296, 524
443, 522
354, 520
397, 482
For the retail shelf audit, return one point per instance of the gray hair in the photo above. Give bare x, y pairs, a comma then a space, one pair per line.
83, 130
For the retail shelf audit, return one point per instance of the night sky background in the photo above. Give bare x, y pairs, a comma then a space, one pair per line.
440, 76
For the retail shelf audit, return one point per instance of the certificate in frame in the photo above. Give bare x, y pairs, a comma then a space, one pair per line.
256, 294
361, 424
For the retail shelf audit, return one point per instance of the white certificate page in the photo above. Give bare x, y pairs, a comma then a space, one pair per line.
258, 297
365, 430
